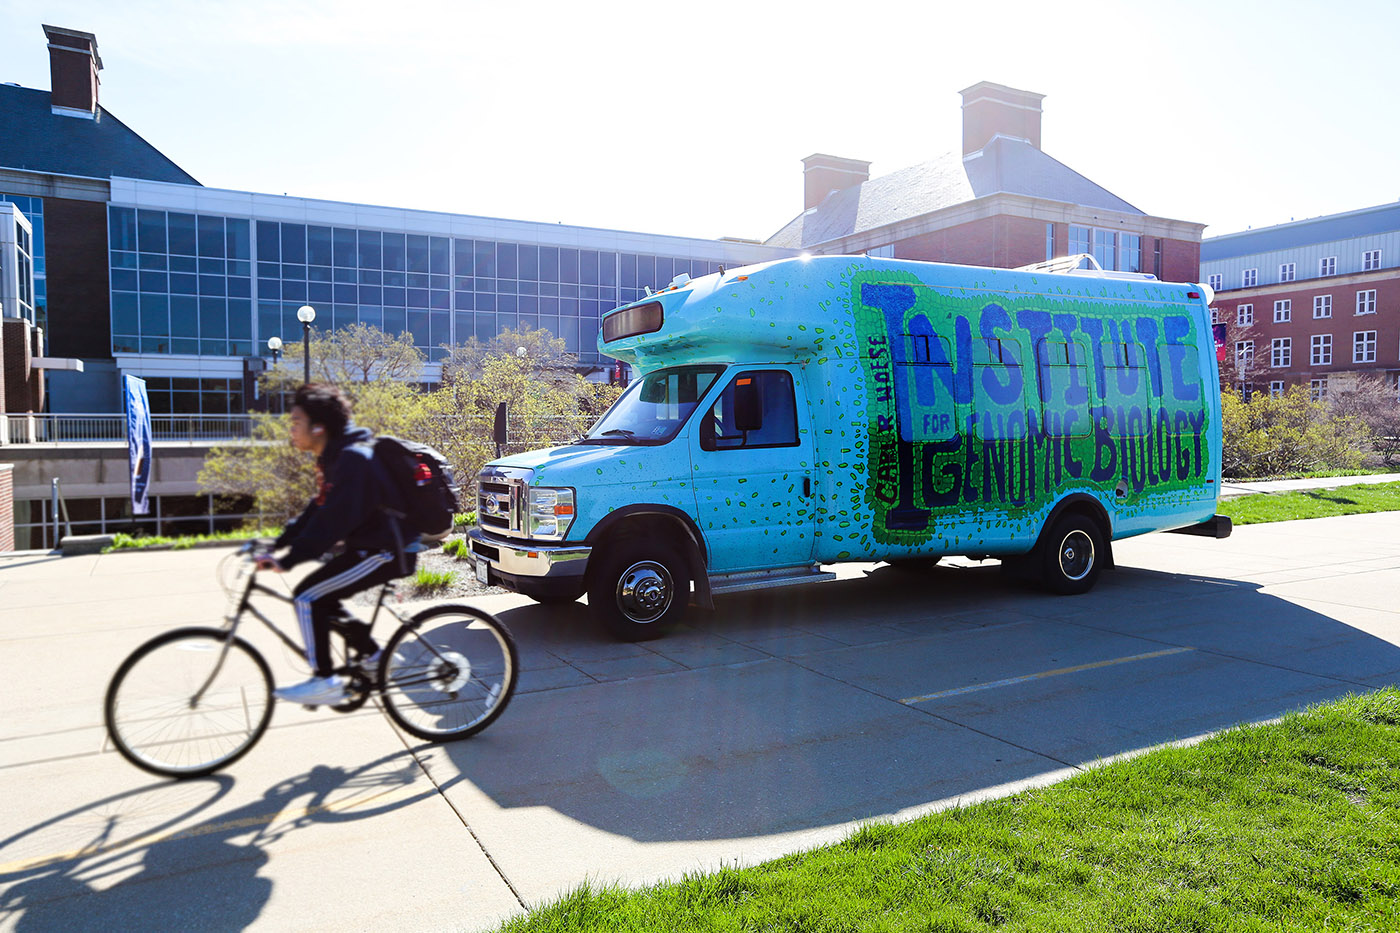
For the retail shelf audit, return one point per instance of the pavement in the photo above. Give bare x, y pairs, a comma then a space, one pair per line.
1231, 489
780, 722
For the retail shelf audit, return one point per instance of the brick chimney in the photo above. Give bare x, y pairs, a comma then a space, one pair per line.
73, 67
823, 174
995, 109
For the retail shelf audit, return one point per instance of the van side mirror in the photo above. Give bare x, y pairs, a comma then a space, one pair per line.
748, 405
498, 430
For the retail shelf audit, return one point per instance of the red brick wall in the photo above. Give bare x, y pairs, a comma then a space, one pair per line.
1007, 242
17, 359
7, 507
1342, 326
1004, 242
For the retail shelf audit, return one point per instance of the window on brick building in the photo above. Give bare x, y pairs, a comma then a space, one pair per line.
1078, 240
1370, 260
1327, 265
1104, 249
1317, 389
1276, 388
1249, 278
1322, 306
1287, 271
1215, 281
1283, 311
1363, 346
1244, 354
1049, 241
1129, 252
1244, 315
1366, 301
1281, 352
1322, 350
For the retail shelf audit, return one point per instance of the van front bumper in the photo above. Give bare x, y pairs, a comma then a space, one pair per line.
524, 566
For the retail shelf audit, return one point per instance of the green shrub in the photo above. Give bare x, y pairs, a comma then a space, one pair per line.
457, 548
1288, 434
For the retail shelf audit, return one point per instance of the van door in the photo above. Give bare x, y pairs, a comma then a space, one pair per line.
751, 454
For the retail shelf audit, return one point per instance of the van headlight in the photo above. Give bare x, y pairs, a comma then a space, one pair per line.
551, 512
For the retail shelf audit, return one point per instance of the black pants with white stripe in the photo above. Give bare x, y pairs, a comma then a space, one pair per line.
317, 601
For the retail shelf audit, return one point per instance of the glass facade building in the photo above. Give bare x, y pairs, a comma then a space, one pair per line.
200, 278
35, 304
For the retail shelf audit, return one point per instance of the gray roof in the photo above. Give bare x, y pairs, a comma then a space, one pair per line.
1006, 165
34, 138
1384, 218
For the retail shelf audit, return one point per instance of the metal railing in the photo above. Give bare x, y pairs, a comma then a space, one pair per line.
96, 428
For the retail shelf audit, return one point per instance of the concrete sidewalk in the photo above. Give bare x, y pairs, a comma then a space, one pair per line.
775, 724
1231, 489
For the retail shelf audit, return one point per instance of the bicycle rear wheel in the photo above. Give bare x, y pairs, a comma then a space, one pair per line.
188, 702
448, 673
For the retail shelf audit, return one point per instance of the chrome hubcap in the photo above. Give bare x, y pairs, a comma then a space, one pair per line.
644, 591
1076, 555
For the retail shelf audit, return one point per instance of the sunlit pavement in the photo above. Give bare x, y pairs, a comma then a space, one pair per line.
776, 723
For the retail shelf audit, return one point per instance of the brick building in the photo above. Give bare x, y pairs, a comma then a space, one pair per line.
1315, 302
1000, 202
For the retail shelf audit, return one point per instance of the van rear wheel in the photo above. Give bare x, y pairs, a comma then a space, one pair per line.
638, 589
1073, 555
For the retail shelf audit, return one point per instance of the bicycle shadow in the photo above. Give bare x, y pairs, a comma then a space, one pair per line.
114, 864
803, 726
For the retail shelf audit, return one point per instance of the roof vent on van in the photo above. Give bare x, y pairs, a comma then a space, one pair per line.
680, 281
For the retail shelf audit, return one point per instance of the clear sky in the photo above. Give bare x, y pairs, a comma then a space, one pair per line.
692, 119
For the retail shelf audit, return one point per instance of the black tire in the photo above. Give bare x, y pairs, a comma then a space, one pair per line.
448, 673
1072, 555
150, 710
638, 589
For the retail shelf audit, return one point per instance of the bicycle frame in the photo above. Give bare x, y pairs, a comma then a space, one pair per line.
245, 605
234, 617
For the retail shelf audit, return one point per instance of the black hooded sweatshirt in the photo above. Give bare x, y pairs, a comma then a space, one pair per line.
346, 506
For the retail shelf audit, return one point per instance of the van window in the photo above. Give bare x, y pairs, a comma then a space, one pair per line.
731, 424
654, 407
1064, 388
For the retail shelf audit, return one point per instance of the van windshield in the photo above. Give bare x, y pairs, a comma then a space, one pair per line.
654, 408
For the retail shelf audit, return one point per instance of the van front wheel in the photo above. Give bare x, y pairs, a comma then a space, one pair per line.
1073, 555
639, 589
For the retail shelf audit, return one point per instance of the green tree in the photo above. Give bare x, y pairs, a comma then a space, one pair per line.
359, 353
549, 403
1287, 435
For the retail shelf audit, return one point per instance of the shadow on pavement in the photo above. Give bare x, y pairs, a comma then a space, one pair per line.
799, 722
166, 855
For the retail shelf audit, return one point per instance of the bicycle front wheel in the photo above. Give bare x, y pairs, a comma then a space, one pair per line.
448, 673
188, 702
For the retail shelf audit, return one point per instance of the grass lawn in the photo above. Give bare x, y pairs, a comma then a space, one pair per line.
1294, 826
1311, 503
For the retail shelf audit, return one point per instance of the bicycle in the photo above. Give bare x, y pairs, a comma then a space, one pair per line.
196, 699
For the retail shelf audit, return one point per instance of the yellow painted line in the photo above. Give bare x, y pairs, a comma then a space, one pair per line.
206, 829
1057, 672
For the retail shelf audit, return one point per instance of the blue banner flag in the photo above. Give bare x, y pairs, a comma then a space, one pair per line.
138, 441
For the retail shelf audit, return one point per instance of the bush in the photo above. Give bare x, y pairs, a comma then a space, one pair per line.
1288, 434
1371, 399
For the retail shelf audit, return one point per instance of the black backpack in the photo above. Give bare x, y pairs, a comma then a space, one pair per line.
421, 491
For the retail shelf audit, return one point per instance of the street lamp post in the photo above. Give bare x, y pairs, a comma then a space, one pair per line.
275, 345
306, 314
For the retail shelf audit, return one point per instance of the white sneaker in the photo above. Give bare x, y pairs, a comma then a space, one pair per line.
318, 691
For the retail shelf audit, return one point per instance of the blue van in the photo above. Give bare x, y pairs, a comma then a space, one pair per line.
836, 408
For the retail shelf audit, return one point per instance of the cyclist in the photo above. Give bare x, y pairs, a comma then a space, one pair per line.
345, 510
